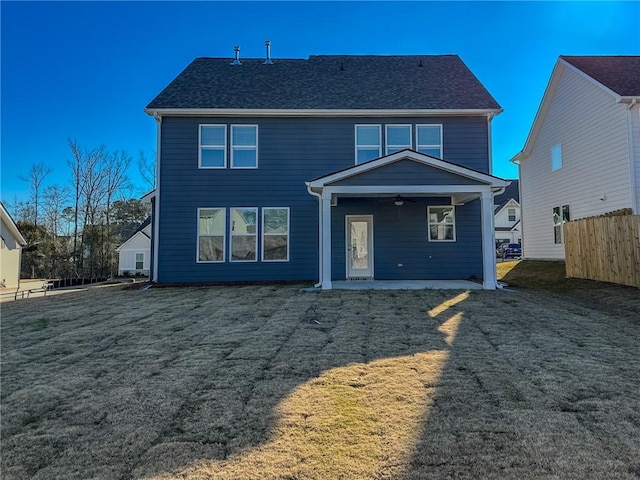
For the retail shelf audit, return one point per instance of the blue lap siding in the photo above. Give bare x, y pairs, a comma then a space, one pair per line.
290, 152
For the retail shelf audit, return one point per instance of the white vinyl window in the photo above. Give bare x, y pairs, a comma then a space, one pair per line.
511, 212
211, 234
442, 224
556, 157
398, 137
140, 261
212, 140
561, 215
275, 234
244, 146
243, 234
368, 142
429, 140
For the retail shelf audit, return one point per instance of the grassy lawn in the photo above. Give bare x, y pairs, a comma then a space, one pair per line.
266, 382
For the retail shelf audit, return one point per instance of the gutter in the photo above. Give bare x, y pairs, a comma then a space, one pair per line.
321, 112
319, 197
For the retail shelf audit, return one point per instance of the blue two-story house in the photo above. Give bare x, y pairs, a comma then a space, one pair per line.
330, 168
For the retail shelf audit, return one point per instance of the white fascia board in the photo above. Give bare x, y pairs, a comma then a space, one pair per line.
146, 198
411, 155
542, 110
327, 112
128, 240
13, 228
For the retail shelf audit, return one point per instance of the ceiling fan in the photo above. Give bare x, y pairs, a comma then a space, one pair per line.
399, 200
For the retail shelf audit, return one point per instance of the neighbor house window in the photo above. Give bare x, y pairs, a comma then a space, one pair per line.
244, 234
244, 146
442, 224
398, 137
556, 157
368, 142
139, 261
561, 215
211, 232
275, 234
429, 140
213, 146
511, 212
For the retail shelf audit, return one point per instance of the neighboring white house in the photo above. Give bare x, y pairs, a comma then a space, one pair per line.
135, 252
507, 215
582, 155
10, 250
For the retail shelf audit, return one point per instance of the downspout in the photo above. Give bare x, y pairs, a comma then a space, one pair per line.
499, 285
489, 142
632, 170
156, 213
319, 197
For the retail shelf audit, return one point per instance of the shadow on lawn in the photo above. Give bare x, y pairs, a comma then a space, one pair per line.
343, 397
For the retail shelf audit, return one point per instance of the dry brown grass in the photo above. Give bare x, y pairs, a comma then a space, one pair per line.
265, 382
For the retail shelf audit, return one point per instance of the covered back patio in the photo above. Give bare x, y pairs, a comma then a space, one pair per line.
406, 216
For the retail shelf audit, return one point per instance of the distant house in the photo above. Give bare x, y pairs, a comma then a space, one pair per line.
331, 168
11, 250
582, 156
134, 255
507, 215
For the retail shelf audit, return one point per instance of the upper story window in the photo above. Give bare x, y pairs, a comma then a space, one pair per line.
368, 142
511, 212
429, 140
442, 224
398, 137
556, 157
244, 146
213, 146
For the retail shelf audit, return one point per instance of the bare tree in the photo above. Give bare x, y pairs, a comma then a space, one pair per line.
147, 170
116, 180
55, 198
35, 178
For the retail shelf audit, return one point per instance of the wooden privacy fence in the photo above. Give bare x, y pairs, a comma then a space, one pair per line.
604, 248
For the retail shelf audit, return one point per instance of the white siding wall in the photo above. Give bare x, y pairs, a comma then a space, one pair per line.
127, 255
635, 125
592, 129
502, 217
9, 258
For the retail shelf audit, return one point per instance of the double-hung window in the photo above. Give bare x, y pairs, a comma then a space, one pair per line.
244, 146
244, 234
442, 224
368, 142
139, 261
429, 140
275, 234
398, 137
511, 212
561, 215
213, 146
211, 234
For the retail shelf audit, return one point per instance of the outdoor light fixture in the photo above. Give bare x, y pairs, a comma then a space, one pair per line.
399, 201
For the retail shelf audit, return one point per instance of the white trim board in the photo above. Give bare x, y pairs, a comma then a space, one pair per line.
320, 112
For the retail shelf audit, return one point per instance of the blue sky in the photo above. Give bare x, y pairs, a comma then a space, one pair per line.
86, 70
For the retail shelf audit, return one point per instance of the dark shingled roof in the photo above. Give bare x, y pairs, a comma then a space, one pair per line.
618, 73
328, 82
510, 192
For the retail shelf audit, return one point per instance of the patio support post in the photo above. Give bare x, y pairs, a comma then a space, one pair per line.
325, 244
488, 248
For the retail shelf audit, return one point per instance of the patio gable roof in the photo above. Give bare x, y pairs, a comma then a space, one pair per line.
406, 168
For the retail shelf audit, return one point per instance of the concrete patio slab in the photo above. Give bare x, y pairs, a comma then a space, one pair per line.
406, 285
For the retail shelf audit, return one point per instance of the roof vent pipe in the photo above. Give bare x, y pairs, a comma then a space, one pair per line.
267, 61
237, 60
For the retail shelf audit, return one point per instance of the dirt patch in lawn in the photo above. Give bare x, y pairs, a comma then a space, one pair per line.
266, 382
